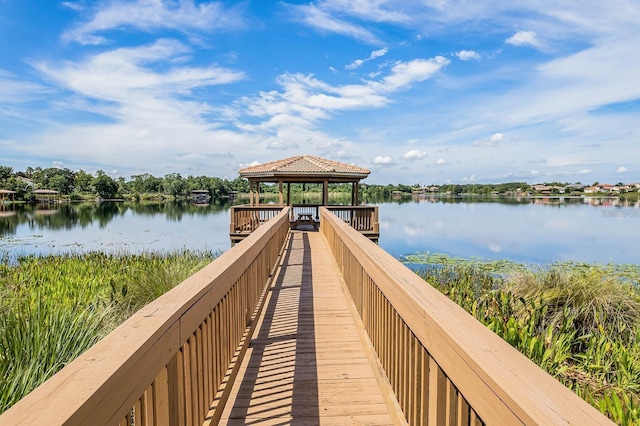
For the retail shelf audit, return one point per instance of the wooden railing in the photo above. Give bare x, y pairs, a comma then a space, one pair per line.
165, 365
444, 366
360, 218
248, 218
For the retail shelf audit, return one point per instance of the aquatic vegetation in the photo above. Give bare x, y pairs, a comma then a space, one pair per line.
579, 322
53, 308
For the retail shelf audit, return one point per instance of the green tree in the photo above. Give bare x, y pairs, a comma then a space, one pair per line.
104, 185
83, 181
5, 173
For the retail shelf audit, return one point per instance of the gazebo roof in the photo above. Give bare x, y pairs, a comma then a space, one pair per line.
304, 167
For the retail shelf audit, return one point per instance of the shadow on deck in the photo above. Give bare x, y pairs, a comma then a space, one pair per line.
306, 363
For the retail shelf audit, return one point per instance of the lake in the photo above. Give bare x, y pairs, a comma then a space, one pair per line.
529, 230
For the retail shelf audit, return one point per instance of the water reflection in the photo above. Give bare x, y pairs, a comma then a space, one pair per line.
533, 230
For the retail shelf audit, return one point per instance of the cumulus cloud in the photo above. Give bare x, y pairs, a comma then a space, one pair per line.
466, 55
621, 169
415, 71
304, 100
414, 154
440, 161
382, 160
523, 38
494, 140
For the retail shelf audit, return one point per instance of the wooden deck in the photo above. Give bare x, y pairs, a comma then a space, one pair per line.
307, 363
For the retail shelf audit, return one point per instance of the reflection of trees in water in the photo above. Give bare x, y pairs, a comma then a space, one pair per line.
69, 216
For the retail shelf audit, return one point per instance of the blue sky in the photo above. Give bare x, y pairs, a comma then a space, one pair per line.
417, 91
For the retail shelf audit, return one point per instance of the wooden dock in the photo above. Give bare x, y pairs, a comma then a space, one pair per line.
307, 363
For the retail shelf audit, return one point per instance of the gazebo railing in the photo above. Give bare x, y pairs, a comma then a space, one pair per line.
248, 218
361, 218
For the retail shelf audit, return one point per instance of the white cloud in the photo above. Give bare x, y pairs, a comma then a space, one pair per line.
355, 64
124, 75
382, 160
523, 38
15, 90
440, 161
496, 138
417, 70
621, 169
375, 54
324, 21
414, 154
494, 247
303, 100
466, 55
379, 53
73, 6
149, 15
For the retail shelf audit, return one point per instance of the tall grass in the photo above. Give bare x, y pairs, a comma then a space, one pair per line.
581, 325
54, 308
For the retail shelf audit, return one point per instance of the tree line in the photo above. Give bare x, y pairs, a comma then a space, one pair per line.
81, 184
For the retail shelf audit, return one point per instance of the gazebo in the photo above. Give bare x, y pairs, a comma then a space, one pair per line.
5, 193
46, 195
302, 169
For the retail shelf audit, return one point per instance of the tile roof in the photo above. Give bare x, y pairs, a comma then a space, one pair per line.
304, 165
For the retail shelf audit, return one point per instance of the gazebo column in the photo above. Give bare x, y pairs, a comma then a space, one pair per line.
325, 193
251, 193
354, 194
288, 193
257, 193
280, 193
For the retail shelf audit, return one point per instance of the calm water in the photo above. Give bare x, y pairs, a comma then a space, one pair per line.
529, 230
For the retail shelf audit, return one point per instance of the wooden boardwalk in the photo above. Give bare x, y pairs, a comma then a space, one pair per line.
307, 363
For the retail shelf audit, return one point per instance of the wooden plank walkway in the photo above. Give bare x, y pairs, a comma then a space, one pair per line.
307, 363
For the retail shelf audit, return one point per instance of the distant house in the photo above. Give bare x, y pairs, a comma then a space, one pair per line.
575, 187
605, 187
543, 189
200, 196
591, 189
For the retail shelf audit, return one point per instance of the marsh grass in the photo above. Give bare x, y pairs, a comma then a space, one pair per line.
580, 323
53, 308
593, 299
160, 273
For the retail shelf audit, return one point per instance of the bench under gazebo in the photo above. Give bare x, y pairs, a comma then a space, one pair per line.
302, 169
